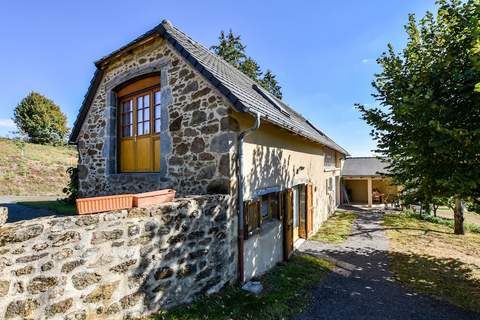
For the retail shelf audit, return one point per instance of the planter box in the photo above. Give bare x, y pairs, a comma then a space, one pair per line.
107, 203
155, 197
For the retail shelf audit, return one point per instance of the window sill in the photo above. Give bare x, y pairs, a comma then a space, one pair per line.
331, 169
135, 174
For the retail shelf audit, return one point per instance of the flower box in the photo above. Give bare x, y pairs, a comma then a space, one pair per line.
154, 197
107, 203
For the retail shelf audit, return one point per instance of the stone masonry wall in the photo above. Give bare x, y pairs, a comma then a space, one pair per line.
119, 264
196, 136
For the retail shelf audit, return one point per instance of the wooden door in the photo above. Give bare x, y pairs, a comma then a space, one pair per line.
302, 212
139, 128
287, 212
309, 209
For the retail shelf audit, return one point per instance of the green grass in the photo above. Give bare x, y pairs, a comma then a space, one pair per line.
57, 206
286, 292
34, 169
472, 227
429, 258
337, 228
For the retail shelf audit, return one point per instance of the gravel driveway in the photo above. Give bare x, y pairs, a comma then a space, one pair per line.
362, 287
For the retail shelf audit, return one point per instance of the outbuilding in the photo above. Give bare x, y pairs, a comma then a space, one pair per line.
365, 181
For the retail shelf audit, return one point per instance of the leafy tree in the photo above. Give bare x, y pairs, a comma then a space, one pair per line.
429, 115
269, 82
232, 50
40, 119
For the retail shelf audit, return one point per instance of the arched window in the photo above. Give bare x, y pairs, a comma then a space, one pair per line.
139, 125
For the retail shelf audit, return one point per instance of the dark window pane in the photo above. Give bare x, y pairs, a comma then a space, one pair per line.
140, 128
157, 112
157, 98
139, 115
157, 125
139, 103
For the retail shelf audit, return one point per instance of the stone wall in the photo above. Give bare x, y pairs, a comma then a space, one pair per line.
119, 264
197, 133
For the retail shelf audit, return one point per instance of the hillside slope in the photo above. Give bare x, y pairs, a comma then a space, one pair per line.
34, 169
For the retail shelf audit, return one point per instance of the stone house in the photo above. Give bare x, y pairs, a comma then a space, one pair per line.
165, 112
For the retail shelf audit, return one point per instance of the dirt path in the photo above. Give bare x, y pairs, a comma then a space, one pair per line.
362, 287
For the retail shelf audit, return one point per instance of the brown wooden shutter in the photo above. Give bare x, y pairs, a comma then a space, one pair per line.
251, 216
287, 223
309, 209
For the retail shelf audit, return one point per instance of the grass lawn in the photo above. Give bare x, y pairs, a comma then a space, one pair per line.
337, 228
429, 258
286, 292
33, 169
57, 206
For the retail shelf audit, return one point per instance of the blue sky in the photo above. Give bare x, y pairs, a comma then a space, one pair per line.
323, 52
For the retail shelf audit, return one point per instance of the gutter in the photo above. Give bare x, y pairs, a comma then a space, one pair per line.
241, 183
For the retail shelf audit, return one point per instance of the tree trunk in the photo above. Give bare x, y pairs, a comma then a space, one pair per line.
458, 216
435, 210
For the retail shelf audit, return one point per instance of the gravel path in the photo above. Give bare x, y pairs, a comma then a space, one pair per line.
361, 287
17, 212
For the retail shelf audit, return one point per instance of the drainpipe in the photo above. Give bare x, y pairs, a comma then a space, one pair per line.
241, 183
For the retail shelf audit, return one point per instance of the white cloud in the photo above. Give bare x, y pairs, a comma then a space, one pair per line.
366, 60
7, 123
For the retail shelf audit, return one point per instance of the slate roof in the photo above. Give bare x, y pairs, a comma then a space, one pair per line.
237, 87
365, 167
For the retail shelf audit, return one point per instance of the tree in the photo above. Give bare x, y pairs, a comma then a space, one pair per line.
40, 119
232, 50
251, 68
429, 115
269, 82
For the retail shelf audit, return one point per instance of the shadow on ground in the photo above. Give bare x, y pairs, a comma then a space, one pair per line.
363, 286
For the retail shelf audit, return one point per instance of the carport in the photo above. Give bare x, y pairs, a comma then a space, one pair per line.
364, 182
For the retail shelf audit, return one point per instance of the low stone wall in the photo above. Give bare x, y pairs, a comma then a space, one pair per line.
118, 264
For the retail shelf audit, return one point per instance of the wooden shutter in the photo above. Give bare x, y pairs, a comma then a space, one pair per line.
251, 215
302, 211
309, 209
287, 211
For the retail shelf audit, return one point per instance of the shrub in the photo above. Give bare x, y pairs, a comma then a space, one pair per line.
71, 190
41, 120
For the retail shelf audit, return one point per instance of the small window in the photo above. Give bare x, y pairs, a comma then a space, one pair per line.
265, 208
269, 206
329, 159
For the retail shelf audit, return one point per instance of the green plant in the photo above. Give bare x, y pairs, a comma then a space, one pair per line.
41, 120
71, 190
